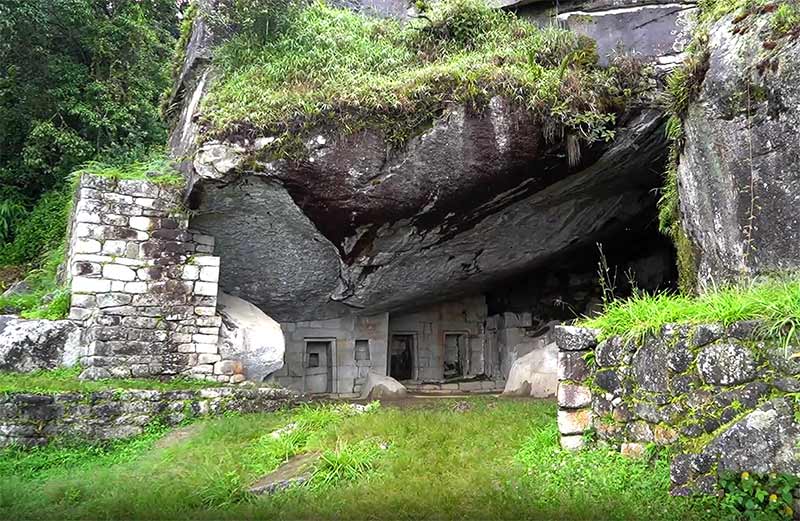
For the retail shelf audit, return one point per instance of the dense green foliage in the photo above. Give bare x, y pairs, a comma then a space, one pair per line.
66, 380
326, 64
79, 81
479, 458
754, 497
774, 302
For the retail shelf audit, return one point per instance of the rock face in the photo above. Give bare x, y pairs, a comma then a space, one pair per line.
478, 198
250, 336
739, 170
535, 374
32, 345
385, 387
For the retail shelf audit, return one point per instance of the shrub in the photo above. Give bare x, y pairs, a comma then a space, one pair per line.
41, 231
755, 497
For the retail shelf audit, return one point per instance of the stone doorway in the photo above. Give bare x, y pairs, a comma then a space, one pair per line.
401, 357
455, 355
319, 366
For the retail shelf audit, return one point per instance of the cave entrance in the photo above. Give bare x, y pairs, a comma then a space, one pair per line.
401, 356
319, 366
455, 355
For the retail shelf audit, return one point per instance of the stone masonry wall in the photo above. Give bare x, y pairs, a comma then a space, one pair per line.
36, 419
144, 287
719, 397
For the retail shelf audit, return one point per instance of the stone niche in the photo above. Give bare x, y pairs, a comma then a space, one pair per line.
144, 287
719, 396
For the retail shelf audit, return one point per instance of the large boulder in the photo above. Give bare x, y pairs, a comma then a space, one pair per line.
250, 336
535, 374
739, 172
477, 199
382, 387
33, 345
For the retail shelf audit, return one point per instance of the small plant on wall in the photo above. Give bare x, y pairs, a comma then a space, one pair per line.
755, 497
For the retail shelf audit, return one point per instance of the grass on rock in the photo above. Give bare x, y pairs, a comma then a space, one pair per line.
773, 302
494, 459
66, 380
334, 65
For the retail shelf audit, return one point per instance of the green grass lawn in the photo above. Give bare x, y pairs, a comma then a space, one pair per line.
489, 459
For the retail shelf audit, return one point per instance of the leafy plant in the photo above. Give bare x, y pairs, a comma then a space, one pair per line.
785, 19
757, 497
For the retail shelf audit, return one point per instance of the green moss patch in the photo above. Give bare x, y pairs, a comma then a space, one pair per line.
329, 65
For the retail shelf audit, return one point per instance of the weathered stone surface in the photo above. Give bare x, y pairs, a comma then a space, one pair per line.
382, 387
650, 367
296, 471
572, 366
535, 374
609, 381
633, 450
726, 363
704, 334
573, 443
764, 441
571, 396
612, 352
32, 345
574, 422
782, 358
250, 336
571, 338
738, 172
350, 227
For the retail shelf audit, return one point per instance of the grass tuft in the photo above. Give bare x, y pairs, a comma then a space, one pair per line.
773, 302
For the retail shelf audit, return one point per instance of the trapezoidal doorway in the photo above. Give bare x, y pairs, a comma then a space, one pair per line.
318, 366
401, 357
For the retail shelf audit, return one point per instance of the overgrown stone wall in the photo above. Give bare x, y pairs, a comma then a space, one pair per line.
144, 287
720, 397
28, 419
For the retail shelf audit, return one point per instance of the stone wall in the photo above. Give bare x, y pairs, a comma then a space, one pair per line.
36, 419
718, 396
144, 287
342, 373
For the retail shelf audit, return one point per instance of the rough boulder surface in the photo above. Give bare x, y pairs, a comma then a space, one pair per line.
535, 374
33, 345
739, 170
382, 387
250, 336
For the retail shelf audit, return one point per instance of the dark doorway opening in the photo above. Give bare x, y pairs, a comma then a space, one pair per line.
401, 357
455, 354
319, 367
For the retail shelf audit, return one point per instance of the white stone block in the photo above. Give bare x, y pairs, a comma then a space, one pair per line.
136, 287
203, 369
208, 289
206, 260
145, 202
87, 245
191, 272
205, 311
208, 358
117, 285
116, 248
87, 217
205, 339
77, 313
118, 272
182, 338
214, 321
209, 274
186, 348
84, 230
87, 285
142, 223
206, 348
84, 301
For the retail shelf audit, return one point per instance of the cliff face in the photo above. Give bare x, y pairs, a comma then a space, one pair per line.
740, 169
353, 223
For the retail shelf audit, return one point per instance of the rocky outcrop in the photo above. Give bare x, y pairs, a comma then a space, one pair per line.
739, 169
33, 345
251, 337
477, 198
